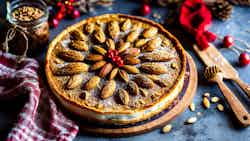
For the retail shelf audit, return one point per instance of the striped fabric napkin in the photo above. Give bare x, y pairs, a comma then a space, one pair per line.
39, 119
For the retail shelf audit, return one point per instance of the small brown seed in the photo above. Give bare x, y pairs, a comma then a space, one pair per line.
108, 90
143, 81
220, 107
100, 50
174, 65
206, 102
110, 44
167, 128
150, 32
191, 120
97, 65
215, 99
79, 45
133, 88
124, 75
94, 57
124, 97
113, 73
74, 81
92, 83
131, 69
192, 107
126, 25
106, 69
84, 95
153, 68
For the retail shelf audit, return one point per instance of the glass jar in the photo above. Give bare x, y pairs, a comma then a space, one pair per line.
36, 28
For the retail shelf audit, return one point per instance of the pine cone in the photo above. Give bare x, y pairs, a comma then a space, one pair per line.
221, 9
240, 2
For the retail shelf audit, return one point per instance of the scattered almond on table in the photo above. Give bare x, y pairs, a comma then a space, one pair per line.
206, 95
192, 107
206, 103
220, 107
215, 99
191, 120
167, 128
199, 114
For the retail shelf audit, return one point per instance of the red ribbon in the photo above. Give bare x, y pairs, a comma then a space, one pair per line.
195, 18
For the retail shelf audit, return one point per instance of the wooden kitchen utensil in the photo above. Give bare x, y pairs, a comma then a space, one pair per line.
214, 74
211, 56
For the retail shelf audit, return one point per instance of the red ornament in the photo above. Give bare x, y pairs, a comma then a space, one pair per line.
59, 15
62, 9
54, 23
75, 14
195, 18
59, 4
228, 41
145, 9
69, 9
244, 59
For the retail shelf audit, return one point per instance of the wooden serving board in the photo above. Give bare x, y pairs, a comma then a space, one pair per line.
185, 98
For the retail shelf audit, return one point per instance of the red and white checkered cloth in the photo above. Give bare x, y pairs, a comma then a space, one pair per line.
40, 119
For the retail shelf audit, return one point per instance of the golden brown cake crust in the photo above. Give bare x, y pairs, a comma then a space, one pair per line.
75, 105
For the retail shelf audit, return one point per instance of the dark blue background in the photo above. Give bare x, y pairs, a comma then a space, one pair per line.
212, 125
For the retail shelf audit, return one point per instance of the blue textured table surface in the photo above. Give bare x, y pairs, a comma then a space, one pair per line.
212, 125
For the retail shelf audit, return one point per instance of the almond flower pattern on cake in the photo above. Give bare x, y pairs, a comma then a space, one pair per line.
115, 68
113, 53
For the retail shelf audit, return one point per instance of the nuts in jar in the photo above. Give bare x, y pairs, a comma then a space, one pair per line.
32, 18
27, 13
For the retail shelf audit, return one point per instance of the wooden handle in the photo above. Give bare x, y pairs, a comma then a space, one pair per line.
239, 110
243, 86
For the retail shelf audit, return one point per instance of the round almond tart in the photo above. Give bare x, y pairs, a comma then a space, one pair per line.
115, 68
